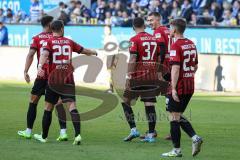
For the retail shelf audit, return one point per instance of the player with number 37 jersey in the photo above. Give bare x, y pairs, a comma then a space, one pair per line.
145, 47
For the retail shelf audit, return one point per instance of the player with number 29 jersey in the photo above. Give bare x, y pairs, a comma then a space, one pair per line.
60, 49
184, 53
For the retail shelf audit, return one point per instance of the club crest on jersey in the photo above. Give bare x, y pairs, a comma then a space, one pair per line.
173, 53
44, 44
158, 35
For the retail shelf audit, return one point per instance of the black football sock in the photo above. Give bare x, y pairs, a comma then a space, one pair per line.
76, 121
46, 122
61, 116
128, 112
187, 127
31, 115
151, 117
175, 133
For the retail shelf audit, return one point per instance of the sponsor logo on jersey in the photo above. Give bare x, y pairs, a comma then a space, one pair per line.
173, 53
158, 35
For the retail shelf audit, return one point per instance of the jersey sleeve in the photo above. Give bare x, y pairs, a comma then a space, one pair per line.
77, 48
47, 46
175, 52
34, 43
160, 37
133, 49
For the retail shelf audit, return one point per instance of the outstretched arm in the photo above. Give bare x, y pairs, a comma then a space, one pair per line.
89, 52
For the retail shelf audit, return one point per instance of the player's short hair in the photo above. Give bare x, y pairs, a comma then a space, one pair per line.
46, 20
138, 22
57, 25
155, 14
180, 24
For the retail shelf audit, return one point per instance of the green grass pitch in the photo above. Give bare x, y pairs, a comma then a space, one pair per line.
215, 118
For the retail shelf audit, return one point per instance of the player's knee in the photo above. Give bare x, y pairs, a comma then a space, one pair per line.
49, 106
34, 99
71, 106
174, 116
59, 102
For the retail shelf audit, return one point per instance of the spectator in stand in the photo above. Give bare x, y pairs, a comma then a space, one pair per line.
64, 17
155, 6
118, 19
94, 7
9, 16
127, 21
165, 12
2, 17
36, 11
215, 11
200, 5
81, 7
205, 19
119, 6
20, 17
228, 20
134, 9
238, 19
100, 12
186, 10
108, 19
236, 8
111, 7
193, 20
3, 34
71, 7
86, 17
175, 11
63, 7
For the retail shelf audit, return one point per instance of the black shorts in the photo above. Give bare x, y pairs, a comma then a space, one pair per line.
173, 106
145, 92
53, 96
39, 87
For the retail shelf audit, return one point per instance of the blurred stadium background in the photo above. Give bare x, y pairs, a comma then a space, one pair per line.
214, 25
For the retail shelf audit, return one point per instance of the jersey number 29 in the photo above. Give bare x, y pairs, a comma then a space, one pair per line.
61, 51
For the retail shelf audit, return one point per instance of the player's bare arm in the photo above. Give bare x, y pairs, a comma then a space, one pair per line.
89, 52
42, 61
132, 64
28, 64
131, 68
195, 68
174, 77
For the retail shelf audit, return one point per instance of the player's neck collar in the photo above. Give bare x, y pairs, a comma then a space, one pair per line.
141, 32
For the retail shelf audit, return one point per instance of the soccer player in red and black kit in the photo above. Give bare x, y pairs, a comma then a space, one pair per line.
164, 39
142, 68
40, 83
162, 34
58, 51
184, 64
